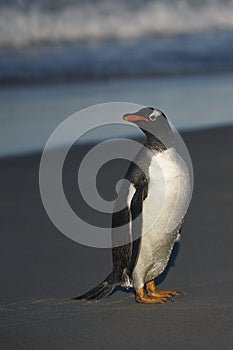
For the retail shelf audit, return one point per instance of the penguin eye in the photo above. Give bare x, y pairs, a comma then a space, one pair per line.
152, 117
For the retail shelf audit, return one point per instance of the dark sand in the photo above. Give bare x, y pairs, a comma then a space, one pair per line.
41, 268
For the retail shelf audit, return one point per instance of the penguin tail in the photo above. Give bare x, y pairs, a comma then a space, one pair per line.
102, 290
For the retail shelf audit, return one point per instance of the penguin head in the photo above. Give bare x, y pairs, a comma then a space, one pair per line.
153, 123
145, 116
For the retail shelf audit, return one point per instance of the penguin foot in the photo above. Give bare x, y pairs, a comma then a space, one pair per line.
165, 293
153, 292
140, 297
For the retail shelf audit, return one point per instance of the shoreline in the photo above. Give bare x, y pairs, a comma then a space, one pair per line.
88, 143
30, 115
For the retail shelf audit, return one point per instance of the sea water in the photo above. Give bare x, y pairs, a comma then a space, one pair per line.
60, 40
59, 56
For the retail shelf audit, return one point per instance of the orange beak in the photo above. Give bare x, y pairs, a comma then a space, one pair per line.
134, 118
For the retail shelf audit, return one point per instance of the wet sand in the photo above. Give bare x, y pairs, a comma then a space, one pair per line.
41, 269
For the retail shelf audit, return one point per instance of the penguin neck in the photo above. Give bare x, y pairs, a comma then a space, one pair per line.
160, 137
153, 143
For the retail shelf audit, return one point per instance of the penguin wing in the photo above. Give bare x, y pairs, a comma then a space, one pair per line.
129, 228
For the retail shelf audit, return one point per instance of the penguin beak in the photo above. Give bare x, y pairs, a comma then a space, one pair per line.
134, 118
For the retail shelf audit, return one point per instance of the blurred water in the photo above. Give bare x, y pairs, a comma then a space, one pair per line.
38, 21
83, 49
63, 40
29, 115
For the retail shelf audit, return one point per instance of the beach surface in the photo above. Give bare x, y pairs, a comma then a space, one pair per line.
41, 269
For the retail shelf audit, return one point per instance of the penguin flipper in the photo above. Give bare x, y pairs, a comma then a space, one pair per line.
121, 254
136, 208
125, 256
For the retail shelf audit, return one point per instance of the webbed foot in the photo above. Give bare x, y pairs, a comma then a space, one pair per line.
140, 297
153, 292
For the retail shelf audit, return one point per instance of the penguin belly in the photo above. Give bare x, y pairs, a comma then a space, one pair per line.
163, 211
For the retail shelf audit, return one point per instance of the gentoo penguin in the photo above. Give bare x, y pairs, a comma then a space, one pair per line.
156, 200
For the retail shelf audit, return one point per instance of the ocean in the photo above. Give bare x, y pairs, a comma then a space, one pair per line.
64, 40
58, 56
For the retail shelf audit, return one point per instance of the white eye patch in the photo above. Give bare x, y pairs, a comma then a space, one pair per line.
154, 115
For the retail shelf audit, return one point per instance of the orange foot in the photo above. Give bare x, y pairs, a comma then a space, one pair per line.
140, 297
153, 292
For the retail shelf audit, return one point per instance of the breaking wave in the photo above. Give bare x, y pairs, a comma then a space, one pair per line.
26, 23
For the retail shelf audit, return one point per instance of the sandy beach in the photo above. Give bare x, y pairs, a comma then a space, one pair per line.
41, 269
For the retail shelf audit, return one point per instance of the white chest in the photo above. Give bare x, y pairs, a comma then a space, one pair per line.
168, 193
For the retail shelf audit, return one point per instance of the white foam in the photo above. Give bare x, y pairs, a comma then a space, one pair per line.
111, 20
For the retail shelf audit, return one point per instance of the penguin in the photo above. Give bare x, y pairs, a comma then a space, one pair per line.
155, 202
